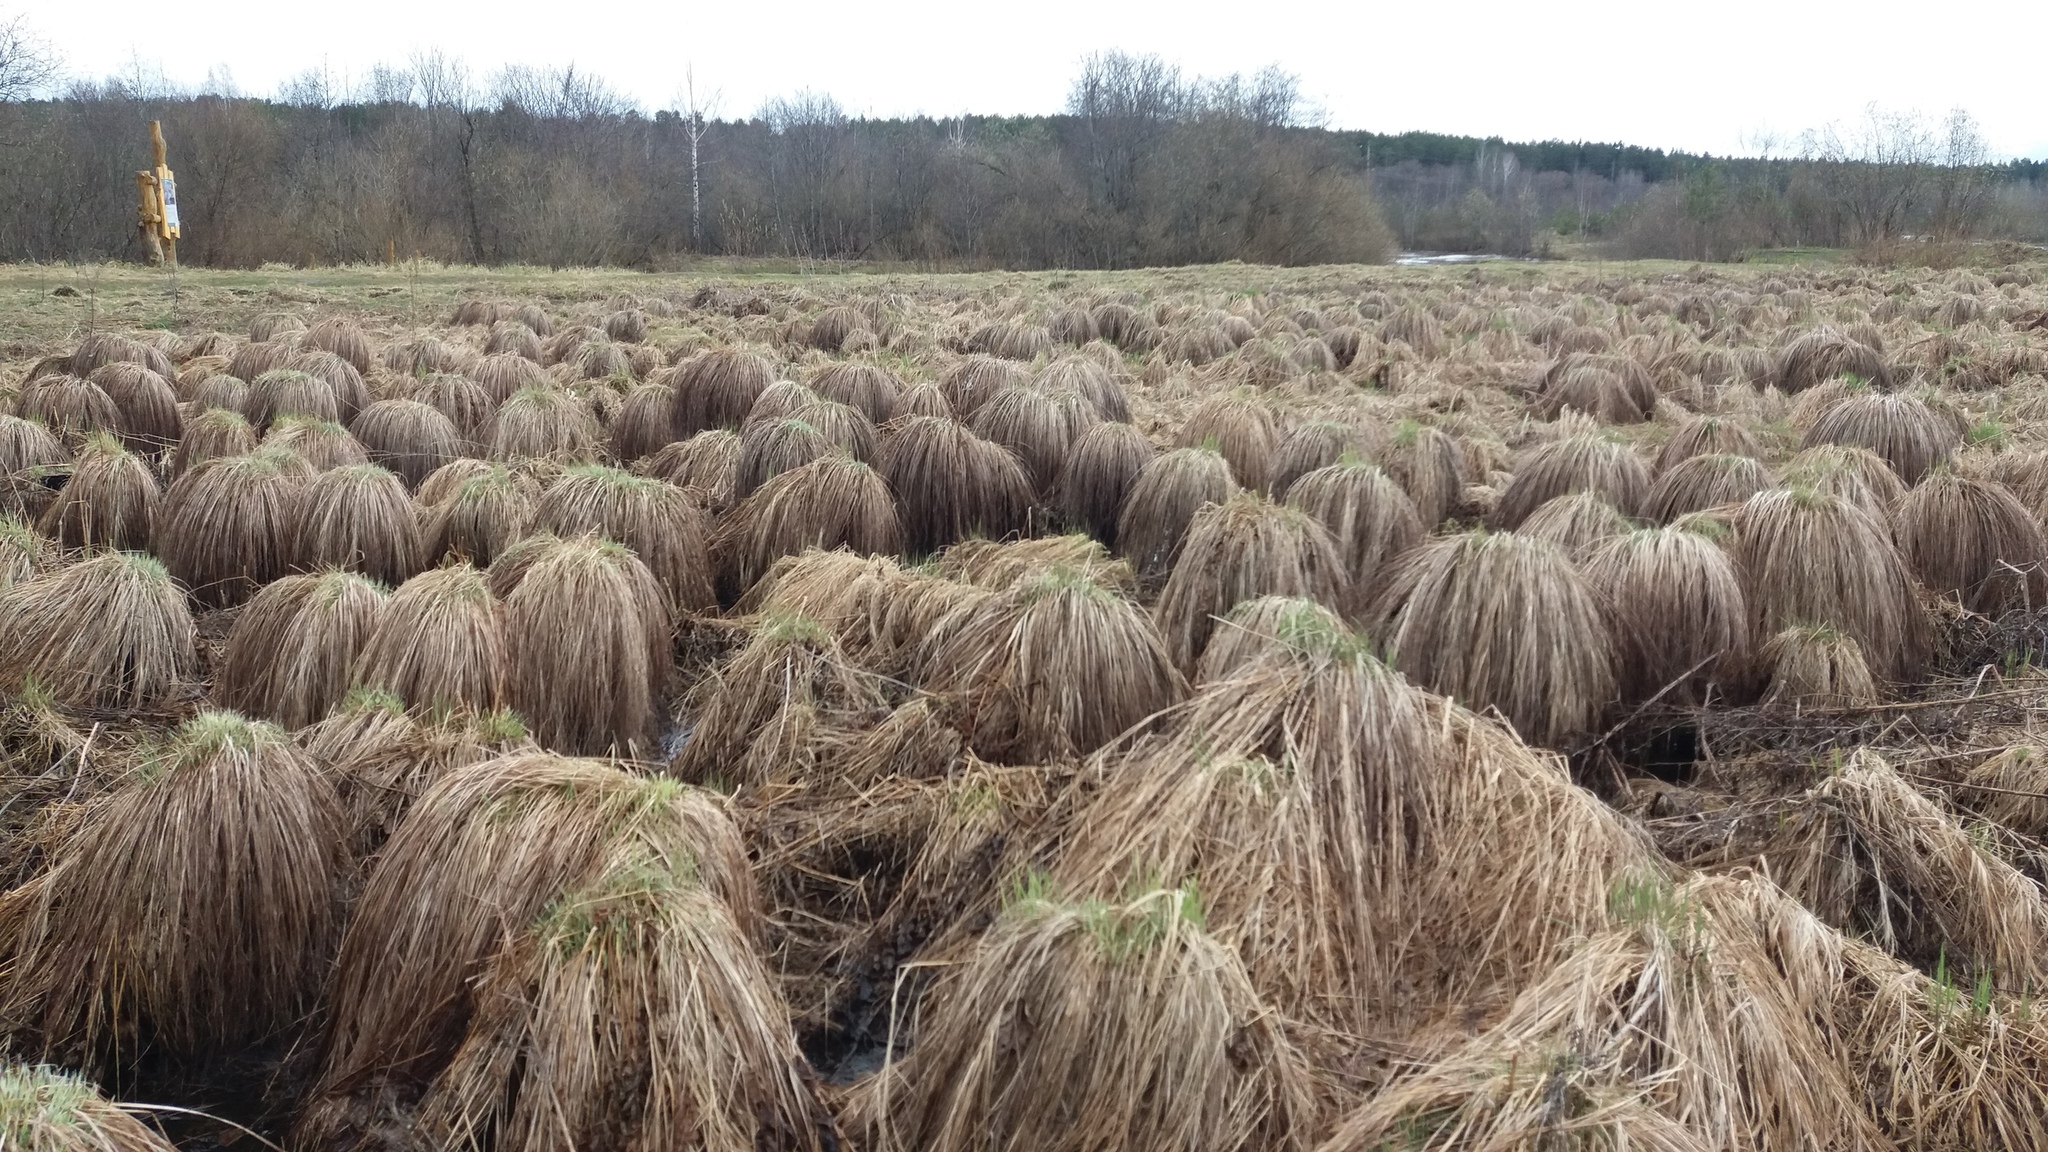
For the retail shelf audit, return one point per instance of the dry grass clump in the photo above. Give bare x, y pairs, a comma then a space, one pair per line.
219, 391
1857, 475
70, 407
542, 424
409, 438
871, 605
1706, 436
1011, 340
1871, 853
350, 395
951, 484
342, 337
486, 514
1000, 566
1039, 427
1910, 437
706, 464
1240, 550
469, 917
778, 401
1679, 617
1054, 667
150, 420
1162, 503
1574, 523
22, 552
323, 446
1698, 483
359, 519
283, 392
1241, 428
28, 444
829, 329
1811, 558
1578, 463
504, 371
587, 638
439, 644
2011, 789
1822, 354
291, 653
868, 387
44, 1109
109, 501
1498, 620
465, 403
1428, 464
644, 423
1974, 540
1317, 444
98, 349
975, 380
758, 714
257, 357
1815, 665
1369, 517
771, 447
231, 525
831, 502
192, 908
1262, 627
1100, 470
1592, 385
271, 325
716, 389
1354, 834
1145, 1028
658, 521
112, 631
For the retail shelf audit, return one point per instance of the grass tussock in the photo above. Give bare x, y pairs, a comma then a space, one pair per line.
439, 644
588, 640
191, 908
112, 632
1241, 550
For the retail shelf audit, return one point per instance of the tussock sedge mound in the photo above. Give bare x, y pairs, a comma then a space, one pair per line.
1337, 708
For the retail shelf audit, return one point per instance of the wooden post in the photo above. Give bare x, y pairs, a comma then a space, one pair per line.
146, 211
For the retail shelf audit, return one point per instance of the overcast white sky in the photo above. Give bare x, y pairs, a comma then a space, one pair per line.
1699, 77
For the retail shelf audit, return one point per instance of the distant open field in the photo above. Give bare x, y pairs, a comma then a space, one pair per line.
1220, 709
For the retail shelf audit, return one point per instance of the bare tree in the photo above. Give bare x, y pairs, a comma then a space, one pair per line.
1963, 183
1875, 172
696, 124
27, 62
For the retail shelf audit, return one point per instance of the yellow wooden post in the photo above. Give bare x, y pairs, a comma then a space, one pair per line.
146, 211
165, 187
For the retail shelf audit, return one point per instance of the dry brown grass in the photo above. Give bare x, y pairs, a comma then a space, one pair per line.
1822, 354
1143, 1026
1811, 558
359, 519
1578, 463
108, 502
1498, 620
951, 484
112, 631
1974, 540
832, 502
484, 515
230, 525
1241, 427
410, 438
716, 389
192, 908
439, 644
1099, 473
587, 638
1814, 665
1240, 550
1698, 483
291, 654
488, 857
1909, 436
1055, 666
1680, 622
542, 424
1163, 501
658, 521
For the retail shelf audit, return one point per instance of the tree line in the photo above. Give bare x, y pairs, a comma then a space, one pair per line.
1146, 166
